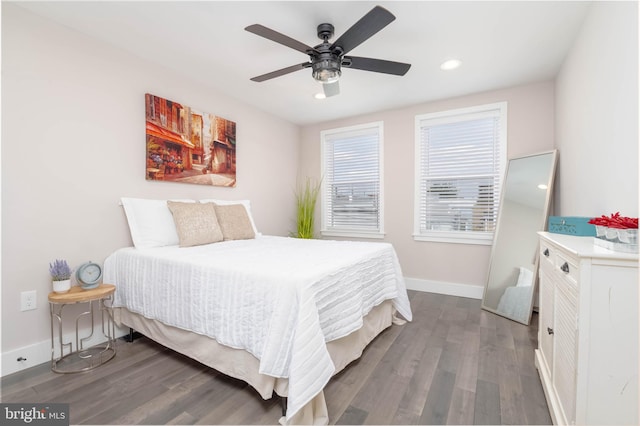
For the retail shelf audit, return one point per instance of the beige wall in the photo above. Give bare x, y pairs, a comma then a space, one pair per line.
597, 115
530, 130
73, 143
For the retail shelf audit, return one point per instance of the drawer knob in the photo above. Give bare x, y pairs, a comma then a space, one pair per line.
549, 330
565, 267
546, 252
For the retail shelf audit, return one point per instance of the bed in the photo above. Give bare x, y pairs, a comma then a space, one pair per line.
282, 314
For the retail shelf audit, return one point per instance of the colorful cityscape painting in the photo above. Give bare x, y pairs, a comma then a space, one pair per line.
188, 146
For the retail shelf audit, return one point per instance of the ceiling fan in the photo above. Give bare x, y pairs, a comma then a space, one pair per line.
326, 59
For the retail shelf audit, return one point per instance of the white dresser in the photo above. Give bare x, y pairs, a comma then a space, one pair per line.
587, 354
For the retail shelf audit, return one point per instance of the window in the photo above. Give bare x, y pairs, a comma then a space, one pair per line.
460, 161
352, 181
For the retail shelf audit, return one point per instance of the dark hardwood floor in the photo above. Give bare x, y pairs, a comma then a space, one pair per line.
454, 364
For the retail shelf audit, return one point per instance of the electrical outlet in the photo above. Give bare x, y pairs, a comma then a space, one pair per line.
28, 300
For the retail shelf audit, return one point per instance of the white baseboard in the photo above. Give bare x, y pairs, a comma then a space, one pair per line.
451, 289
39, 353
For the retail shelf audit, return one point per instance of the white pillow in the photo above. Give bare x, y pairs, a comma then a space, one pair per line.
245, 203
150, 222
525, 279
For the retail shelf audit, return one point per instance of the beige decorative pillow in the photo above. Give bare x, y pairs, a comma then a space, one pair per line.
234, 222
196, 224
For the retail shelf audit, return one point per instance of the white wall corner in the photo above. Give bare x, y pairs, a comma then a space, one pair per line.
440, 287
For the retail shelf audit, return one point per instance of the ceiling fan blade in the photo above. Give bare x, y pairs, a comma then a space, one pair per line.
283, 71
375, 65
272, 35
331, 89
368, 25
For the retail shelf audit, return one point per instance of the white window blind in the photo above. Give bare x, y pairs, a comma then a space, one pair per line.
460, 162
352, 181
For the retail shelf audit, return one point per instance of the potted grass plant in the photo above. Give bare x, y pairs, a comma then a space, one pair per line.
306, 198
60, 276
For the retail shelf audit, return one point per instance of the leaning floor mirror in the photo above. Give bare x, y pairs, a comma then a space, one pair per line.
524, 209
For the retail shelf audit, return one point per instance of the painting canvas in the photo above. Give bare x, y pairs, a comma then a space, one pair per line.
188, 146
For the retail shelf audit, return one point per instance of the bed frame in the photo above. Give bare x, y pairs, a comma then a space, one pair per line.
244, 366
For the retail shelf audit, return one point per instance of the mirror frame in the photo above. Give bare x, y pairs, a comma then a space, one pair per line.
545, 213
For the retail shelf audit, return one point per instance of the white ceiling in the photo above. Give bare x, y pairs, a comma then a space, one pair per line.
501, 44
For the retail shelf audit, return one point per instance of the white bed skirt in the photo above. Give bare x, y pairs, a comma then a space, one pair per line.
242, 365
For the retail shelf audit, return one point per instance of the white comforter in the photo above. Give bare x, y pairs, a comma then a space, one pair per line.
279, 298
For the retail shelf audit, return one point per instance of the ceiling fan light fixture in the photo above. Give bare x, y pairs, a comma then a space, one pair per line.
327, 76
326, 70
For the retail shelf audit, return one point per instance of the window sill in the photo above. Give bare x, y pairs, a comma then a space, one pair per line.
455, 239
352, 234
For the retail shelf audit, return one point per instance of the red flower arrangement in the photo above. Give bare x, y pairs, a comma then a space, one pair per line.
615, 221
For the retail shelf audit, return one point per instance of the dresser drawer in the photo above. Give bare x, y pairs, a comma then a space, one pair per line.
561, 267
547, 253
567, 268
566, 284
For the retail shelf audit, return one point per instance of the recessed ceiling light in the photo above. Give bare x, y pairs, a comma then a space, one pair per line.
542, 186
319, 95
450, 64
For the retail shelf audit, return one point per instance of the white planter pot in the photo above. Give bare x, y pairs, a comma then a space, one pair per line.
61, 286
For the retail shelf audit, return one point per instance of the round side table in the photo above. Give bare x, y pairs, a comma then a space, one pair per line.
81, 358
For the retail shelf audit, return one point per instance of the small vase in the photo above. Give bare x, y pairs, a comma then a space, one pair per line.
61, 286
